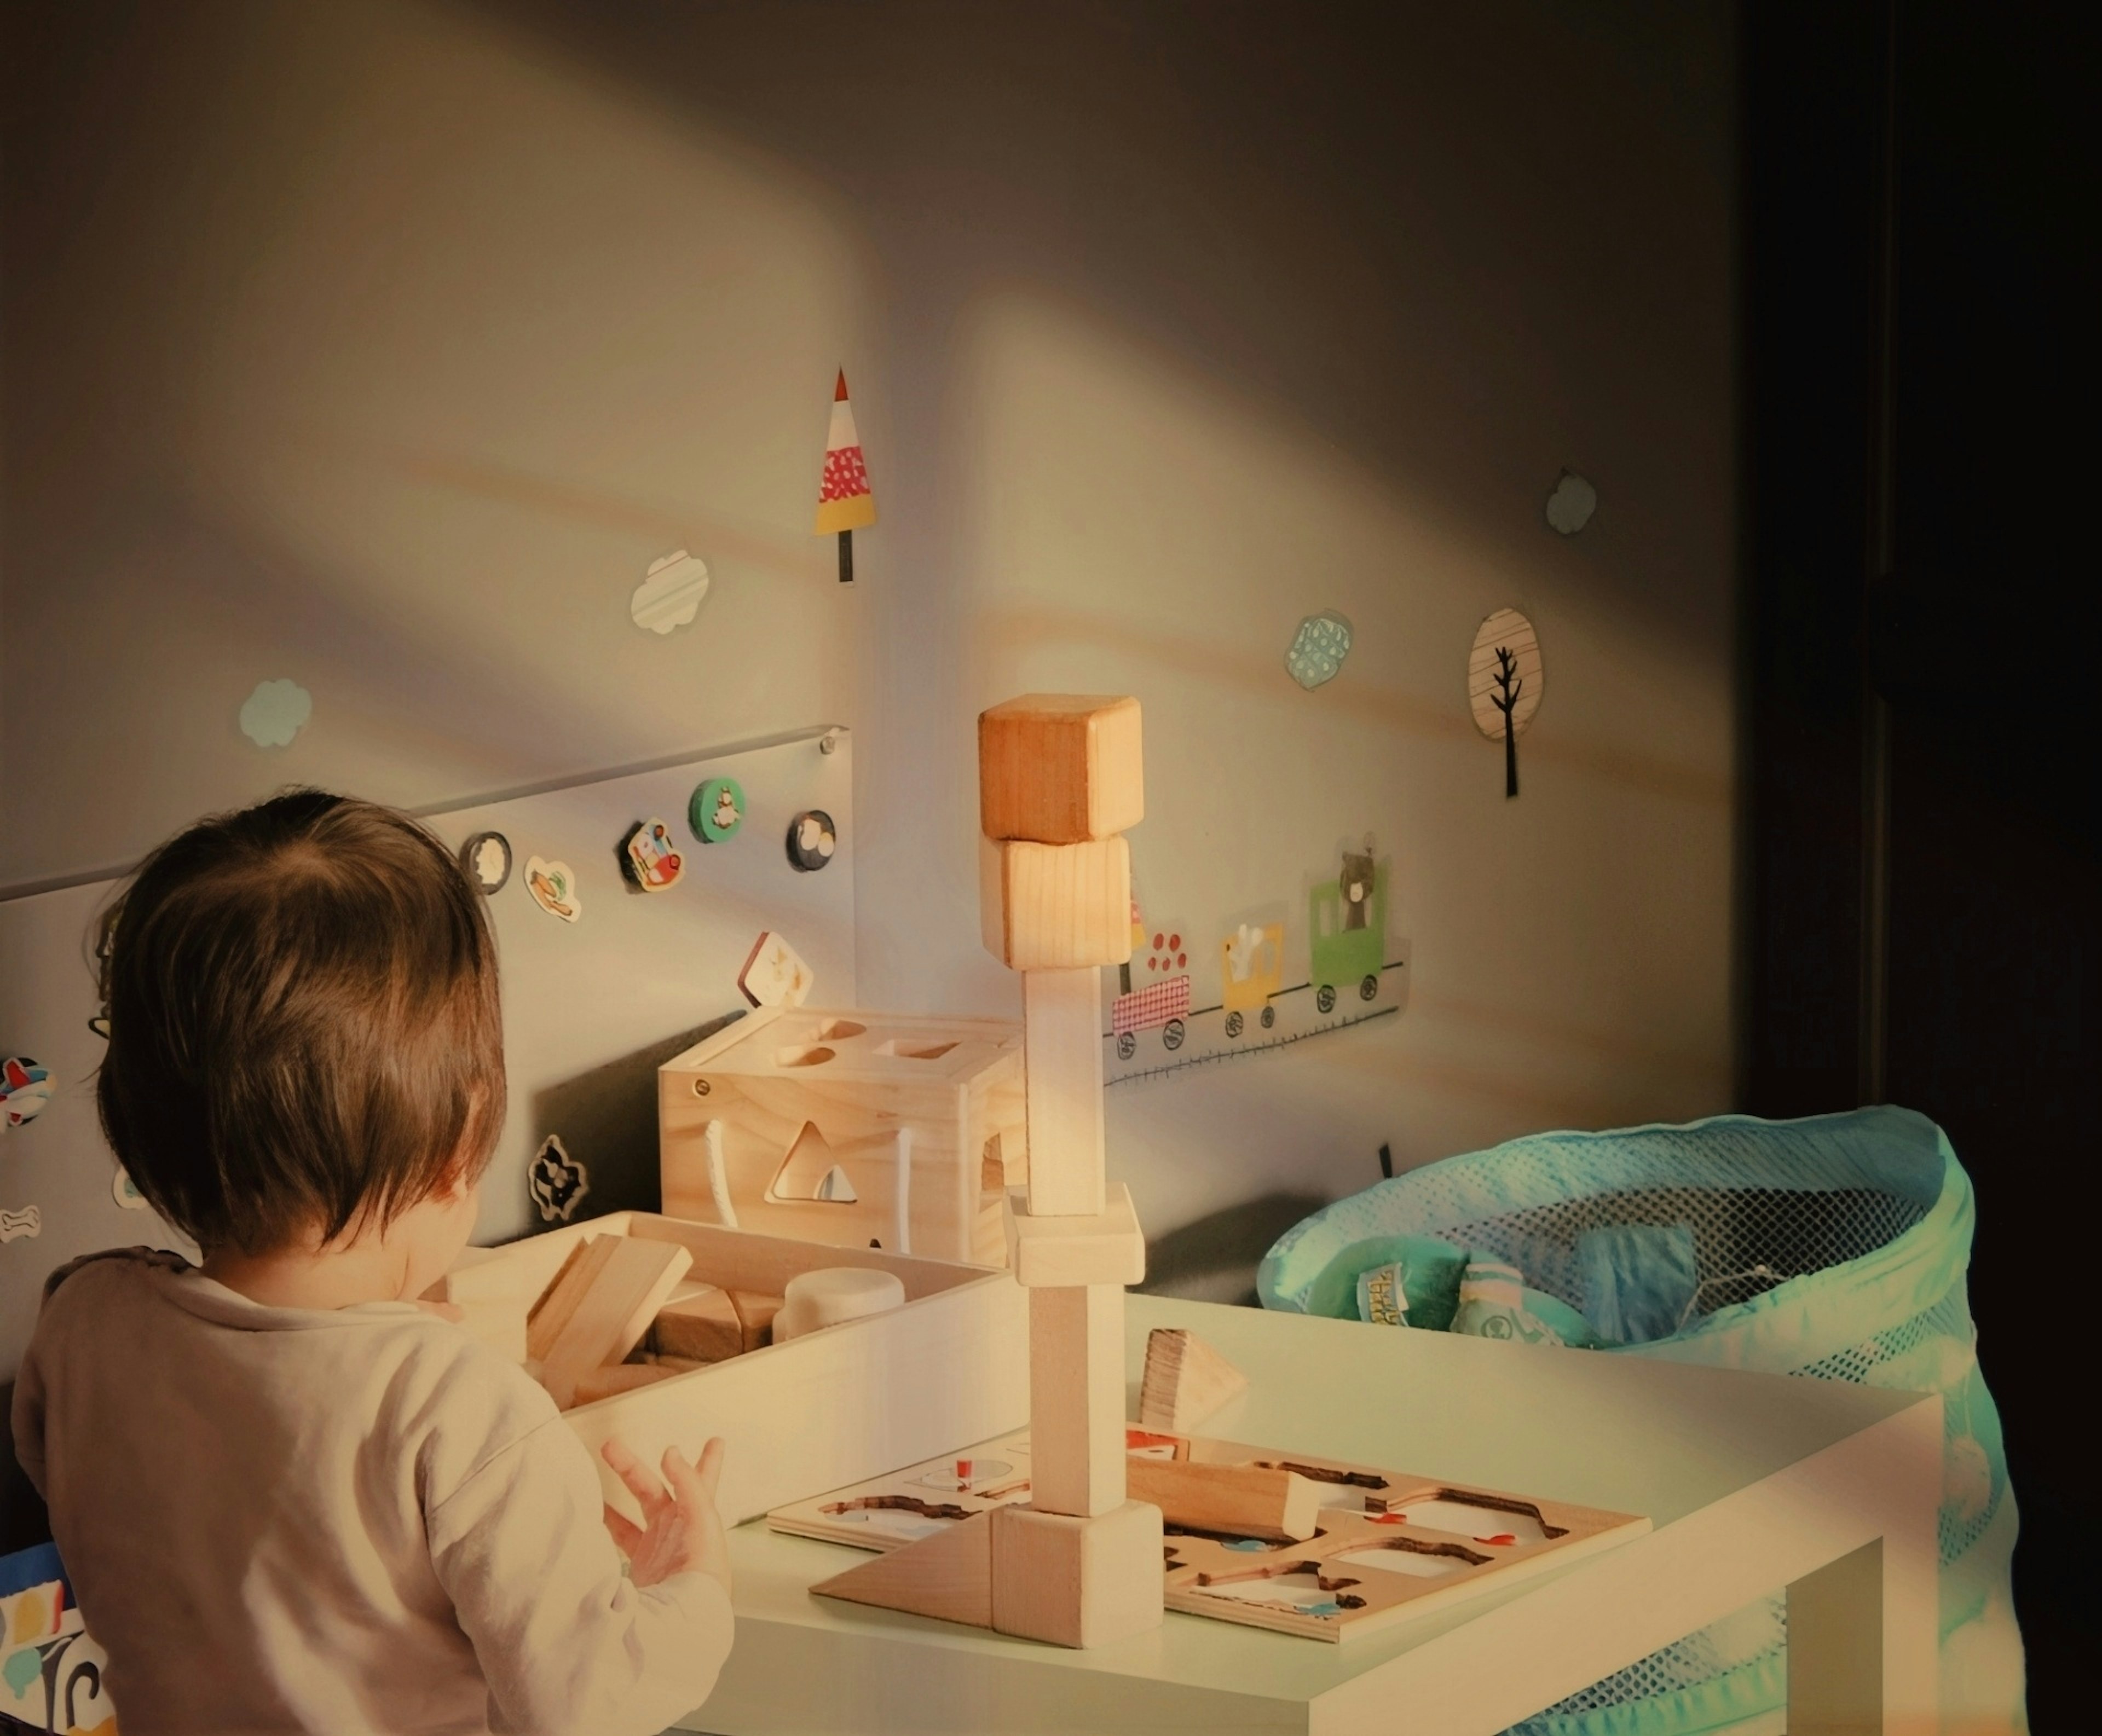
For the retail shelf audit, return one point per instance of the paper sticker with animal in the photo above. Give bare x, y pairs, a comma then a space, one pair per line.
774, 975
1505, 683
654, 860
553, 888
1252, 969
1347, 930
25, 1089
556, 1181
716, 810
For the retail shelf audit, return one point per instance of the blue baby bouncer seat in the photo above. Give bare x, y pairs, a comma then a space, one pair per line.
1833, 1247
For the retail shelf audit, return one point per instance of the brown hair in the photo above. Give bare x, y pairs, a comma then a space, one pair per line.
303, 1025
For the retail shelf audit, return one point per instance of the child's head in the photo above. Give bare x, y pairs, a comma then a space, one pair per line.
304, 1036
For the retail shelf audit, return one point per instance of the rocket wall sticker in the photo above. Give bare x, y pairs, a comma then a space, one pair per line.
844, 502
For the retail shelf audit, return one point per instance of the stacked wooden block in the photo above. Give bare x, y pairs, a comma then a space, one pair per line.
1060, 777
1080, 1564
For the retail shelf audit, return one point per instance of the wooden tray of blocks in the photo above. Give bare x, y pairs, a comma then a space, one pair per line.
1293, 1542
659, 1331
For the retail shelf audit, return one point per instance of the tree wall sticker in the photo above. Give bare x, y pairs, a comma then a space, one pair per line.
1505, 683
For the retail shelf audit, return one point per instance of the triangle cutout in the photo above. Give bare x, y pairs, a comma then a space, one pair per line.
948, 1575
807, 1168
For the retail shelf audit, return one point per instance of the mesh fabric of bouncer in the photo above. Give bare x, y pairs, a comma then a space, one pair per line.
1833, 1248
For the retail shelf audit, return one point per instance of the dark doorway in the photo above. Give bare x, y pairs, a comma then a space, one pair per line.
1920, 191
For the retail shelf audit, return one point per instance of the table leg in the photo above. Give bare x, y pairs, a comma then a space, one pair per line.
1861, 1653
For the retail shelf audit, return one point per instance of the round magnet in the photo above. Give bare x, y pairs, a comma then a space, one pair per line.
487, 857
716, 810
812, 838
654, 860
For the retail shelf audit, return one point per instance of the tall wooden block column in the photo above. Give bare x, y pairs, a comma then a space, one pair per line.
1059, 778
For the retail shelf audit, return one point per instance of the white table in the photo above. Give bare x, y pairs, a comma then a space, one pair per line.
1754, 1482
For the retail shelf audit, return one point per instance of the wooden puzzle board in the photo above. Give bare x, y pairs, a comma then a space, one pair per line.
1391, 1544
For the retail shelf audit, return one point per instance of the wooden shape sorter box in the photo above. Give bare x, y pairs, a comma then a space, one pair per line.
1379, 1546
830, 1406
851, 1128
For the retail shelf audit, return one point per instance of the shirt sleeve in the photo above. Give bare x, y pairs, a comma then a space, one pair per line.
566, 1641
27, 1419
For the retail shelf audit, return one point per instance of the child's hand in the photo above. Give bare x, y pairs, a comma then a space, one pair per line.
681, 1531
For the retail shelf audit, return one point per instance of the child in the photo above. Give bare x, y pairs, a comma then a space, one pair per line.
288, 1497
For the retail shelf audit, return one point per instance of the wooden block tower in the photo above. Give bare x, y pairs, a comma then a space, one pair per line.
1060, 777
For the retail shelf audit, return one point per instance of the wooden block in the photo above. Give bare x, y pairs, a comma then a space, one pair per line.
1076, 1582
544, 1323
1186, 1380
1055, 907
1105, 1249
596, 1384
1062, 1075
755, 1317
702, 1325
1061, 767
1076, 1444
599, 1307
1233, 1500
490, 1294
947, 1575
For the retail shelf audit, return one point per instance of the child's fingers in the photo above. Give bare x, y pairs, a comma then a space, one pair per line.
694, 1485
626, 1536
636, 1475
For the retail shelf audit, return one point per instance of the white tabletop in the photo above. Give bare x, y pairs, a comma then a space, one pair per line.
1753, 1483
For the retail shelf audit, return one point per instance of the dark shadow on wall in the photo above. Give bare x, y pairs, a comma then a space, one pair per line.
607, 1121
1514, 219
1214, 1259
24, 1523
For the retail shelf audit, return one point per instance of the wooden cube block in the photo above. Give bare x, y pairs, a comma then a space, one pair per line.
1054, 906
1105, 1249
1060, 769
1062, 1066
699, 1321
1076, 1582
598, 1307
1076, 1444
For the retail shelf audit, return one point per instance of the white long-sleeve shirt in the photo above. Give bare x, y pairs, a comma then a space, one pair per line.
342, 1522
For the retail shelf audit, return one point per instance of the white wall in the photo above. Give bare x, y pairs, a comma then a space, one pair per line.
383, 345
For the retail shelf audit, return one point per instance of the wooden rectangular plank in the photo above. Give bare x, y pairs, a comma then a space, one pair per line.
1076, 1398
601, 1306
1062, 1068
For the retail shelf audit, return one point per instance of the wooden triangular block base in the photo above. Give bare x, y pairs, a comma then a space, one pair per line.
1185, 1381
947, 1575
